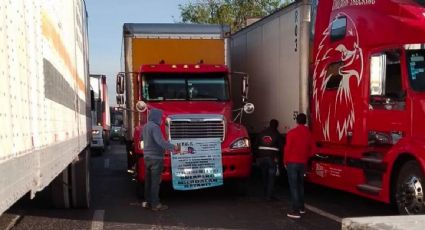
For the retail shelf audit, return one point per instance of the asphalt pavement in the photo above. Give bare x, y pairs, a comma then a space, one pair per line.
115, 205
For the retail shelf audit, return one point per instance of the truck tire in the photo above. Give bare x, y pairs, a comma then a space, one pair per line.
80, 176
409, 193
59, 189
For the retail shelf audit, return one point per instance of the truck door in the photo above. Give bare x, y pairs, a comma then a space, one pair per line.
387, 117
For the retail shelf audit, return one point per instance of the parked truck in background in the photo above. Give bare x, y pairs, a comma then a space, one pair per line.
101, 116
117, 130
183, 70
45, 116
357, 68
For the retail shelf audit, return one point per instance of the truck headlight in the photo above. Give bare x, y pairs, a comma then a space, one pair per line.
240, 143
95, 132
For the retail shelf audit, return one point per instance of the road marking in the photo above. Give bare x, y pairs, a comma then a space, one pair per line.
97, 223
323, 213
106, 163
13, 222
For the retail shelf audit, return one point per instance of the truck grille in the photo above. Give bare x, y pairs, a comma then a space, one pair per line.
189, 128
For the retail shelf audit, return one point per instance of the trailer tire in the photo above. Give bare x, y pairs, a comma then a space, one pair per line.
59, 188
80, 176
409, 195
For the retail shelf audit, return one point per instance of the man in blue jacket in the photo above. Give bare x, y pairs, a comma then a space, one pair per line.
154, 147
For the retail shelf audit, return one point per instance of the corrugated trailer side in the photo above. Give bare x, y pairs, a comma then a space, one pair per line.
274, 52
45, 115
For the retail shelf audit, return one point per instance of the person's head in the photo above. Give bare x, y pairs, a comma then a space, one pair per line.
273, 124
301, 119
155, 115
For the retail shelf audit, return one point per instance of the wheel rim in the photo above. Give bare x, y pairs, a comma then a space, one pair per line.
410, 197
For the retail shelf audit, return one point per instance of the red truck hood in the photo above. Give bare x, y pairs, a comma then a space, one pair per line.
193, 107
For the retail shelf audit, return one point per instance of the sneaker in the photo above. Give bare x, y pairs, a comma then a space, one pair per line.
146, 205
302, 211
160, 207
293, 215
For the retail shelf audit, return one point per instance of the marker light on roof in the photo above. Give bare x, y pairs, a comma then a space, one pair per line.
173, 66
185, 66
197, 66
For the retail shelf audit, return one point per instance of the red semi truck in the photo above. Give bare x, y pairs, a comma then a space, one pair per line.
358, 69
182, 70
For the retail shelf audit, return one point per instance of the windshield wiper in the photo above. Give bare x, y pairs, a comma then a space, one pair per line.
174, 99
155, 99
206, 99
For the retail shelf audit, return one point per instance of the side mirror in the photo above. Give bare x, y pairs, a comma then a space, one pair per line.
378, 64
120, 99
248, 108
141, 106
120, 83
245, 88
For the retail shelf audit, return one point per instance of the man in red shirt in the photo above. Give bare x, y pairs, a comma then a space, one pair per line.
297, 151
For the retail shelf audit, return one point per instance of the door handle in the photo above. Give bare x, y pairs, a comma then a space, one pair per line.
321, 156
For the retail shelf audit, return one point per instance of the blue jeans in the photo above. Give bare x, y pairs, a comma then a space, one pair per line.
296, 185
153, 170
268, 172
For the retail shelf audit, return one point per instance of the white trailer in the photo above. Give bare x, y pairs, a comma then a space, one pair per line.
45, 115
274, 52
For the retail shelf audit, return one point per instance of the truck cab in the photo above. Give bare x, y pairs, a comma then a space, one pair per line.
372, 145
196, 103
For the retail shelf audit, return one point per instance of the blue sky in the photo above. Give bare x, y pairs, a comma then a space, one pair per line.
106, 18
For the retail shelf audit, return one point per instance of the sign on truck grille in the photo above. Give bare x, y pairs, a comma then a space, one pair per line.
197, 164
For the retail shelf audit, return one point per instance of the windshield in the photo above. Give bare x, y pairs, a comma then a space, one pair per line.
421, 2
178, 86
416, 68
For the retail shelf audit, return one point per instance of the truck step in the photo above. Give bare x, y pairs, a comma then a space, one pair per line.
374, 162
371, 189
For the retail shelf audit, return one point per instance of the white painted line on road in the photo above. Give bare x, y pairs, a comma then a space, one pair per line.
106, 163
97, 223
323, 213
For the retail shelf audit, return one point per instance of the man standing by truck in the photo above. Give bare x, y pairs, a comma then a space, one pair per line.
154, 145
270, 144
298, 148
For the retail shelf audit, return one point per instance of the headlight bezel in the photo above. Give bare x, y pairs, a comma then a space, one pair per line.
241, 143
